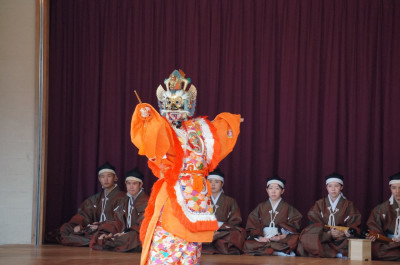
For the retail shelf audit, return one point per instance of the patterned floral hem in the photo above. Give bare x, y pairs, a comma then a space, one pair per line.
167, 248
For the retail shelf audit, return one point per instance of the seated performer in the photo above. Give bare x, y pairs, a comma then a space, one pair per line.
94, 210
229, 237
384, 225
181, 150
122, 233
331, 219
273, 226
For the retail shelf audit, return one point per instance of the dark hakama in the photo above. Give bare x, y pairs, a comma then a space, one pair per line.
229, 238
89, 212
287, 218
315, 241
129, 241
383, 221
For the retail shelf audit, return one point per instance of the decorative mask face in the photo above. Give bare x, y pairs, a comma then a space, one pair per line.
176, 103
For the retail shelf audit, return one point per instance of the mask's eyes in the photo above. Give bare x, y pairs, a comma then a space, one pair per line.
169, 102
177, 102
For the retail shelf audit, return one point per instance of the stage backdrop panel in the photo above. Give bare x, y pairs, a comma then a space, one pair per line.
317, 83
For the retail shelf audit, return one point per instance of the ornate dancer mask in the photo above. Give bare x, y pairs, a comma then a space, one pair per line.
177, 103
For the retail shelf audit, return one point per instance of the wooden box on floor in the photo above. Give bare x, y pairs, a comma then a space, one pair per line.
360, 249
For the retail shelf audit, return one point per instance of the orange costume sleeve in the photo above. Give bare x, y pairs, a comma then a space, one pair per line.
152, 136
227, 127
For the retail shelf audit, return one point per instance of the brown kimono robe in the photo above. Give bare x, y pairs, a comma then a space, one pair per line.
229, 238
288, 218
129, 241
88, 213
383, 220
315, 241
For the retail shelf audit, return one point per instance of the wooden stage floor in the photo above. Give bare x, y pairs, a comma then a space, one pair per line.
61, 255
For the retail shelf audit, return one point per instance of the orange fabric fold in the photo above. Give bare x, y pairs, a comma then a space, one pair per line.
227, 126
152, 135
159, 202
173, 224
157, 140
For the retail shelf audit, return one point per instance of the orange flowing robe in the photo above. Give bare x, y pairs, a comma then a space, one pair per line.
181, 159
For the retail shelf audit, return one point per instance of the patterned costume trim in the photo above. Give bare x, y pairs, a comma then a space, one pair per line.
192, 217
208, 138
167, 248
171, 176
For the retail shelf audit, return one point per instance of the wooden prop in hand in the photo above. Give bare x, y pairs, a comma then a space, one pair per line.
378, 237
351, 230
